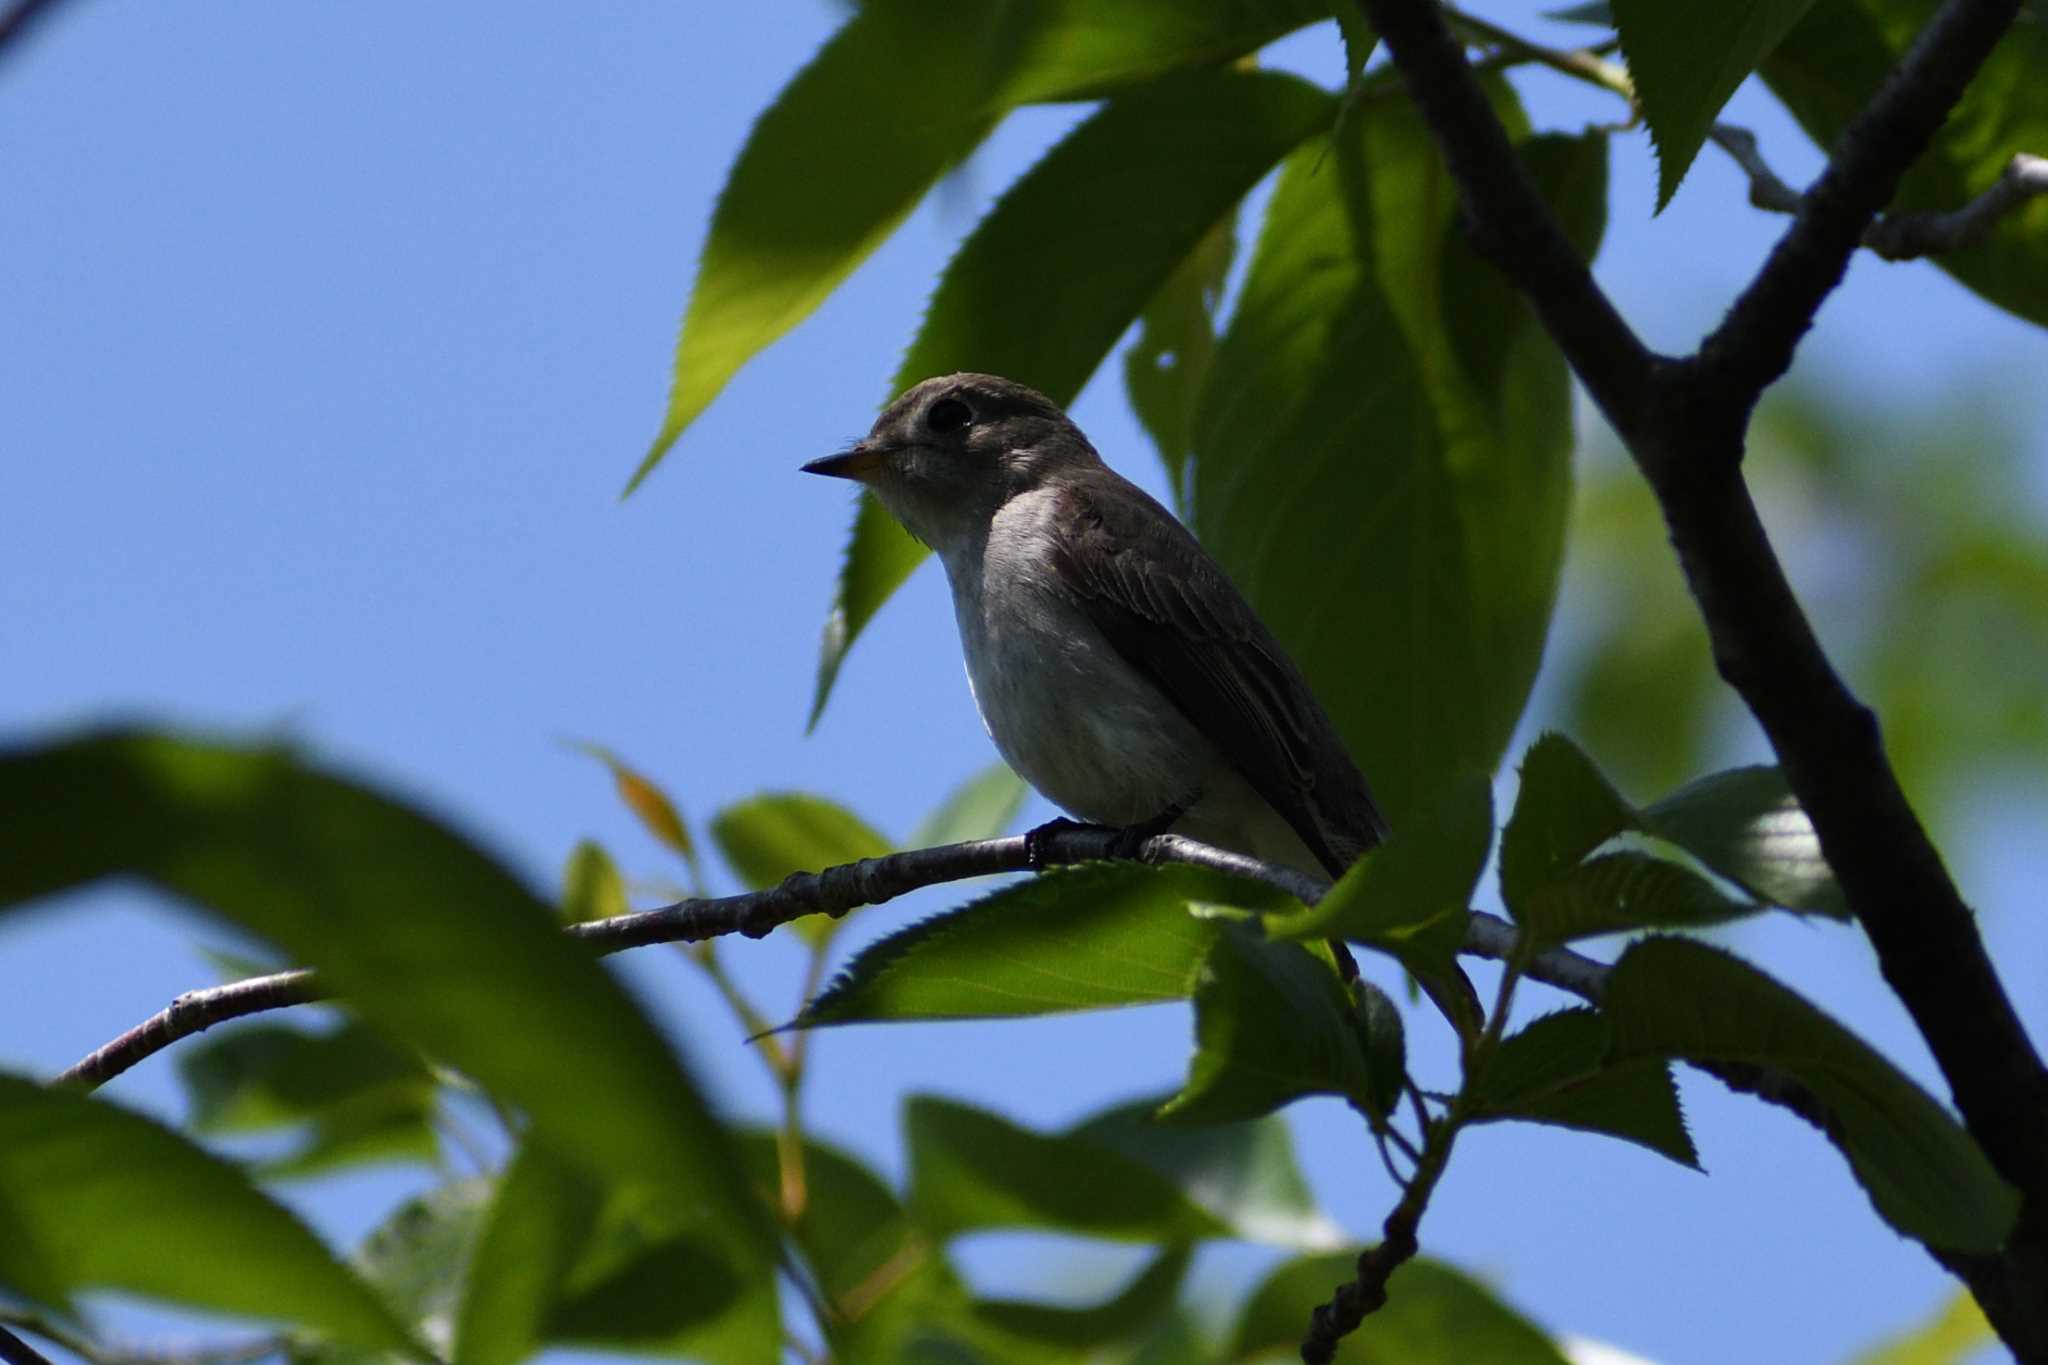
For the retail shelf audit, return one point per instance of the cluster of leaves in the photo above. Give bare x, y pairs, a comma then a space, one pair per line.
631, 1215
1375, 391
628, 1214
1886, 516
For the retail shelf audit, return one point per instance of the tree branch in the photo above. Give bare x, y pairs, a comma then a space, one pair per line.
1753, 346
833, 891
1685, 424
19, 19
15, 1351
1898, 236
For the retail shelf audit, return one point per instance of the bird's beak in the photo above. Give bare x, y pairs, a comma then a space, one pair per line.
857, 463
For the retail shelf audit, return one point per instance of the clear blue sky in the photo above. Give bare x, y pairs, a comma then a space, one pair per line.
328, 334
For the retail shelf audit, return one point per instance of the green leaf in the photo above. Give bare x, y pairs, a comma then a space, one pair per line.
656, 812
888, 1284
982, 807
1273, 1023
363, 1098
902, 92
1382, 449
1068, 257
1747, 826
1928, 1179
416, 1258
972, 1169
591, 885
1120, 1319
1827, 68
1563, 811
427, 939
1410, 896
1616, 892
1951, 1336
1086, 938
1243, 1173
1686, 60
539, 1220
1165, 366
562, 1259
97, 1197
1433, 1313
1556, 1071
767, 837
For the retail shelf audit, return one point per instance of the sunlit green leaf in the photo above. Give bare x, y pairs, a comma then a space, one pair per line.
1678, 998
1747, 826
1243, 1173
1686, 60
1433, 1314
902, 92
1564, 810
982, 807
1951, 1336
1164, 368
972, 1169
1068, 257
1556, 1071
1086, 938
98, 1197
361, 1097
1273, 1023
1616, 892
591, 885
1410, 896
1382, 449
426, 938
538, 1221
1828, 67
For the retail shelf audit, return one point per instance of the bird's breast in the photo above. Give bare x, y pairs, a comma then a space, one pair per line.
1067, 712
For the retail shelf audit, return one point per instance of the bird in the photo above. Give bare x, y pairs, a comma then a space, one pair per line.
1115, 665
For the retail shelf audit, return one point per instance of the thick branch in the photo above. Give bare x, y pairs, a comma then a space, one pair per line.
1685, 424
1753, 345
833, 891
1898, 236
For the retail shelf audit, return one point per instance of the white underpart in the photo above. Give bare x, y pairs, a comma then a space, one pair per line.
1076, 721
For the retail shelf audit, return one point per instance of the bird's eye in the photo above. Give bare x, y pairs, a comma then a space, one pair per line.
948, 415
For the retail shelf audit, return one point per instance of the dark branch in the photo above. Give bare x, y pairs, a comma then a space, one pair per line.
15, 1351
1685, 423
1753, 345
1898, 236
834, 891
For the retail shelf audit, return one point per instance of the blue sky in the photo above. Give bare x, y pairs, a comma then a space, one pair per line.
328, 335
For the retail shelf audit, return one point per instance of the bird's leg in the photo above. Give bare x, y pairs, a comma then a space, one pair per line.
1132, 837
1034, 840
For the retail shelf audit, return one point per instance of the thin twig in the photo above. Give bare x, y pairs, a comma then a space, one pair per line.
1898, 236
833, 891
20, 19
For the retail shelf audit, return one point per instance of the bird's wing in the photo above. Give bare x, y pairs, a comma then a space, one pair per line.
1166, 606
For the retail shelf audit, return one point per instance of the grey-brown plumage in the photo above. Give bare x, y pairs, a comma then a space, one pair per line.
1116, 666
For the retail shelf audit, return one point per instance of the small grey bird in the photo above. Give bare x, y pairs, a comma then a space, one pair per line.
1115, 665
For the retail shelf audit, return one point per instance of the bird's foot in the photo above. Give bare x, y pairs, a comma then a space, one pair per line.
1034, 840
1131, 838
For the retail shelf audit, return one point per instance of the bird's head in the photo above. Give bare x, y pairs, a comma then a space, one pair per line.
947, 454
